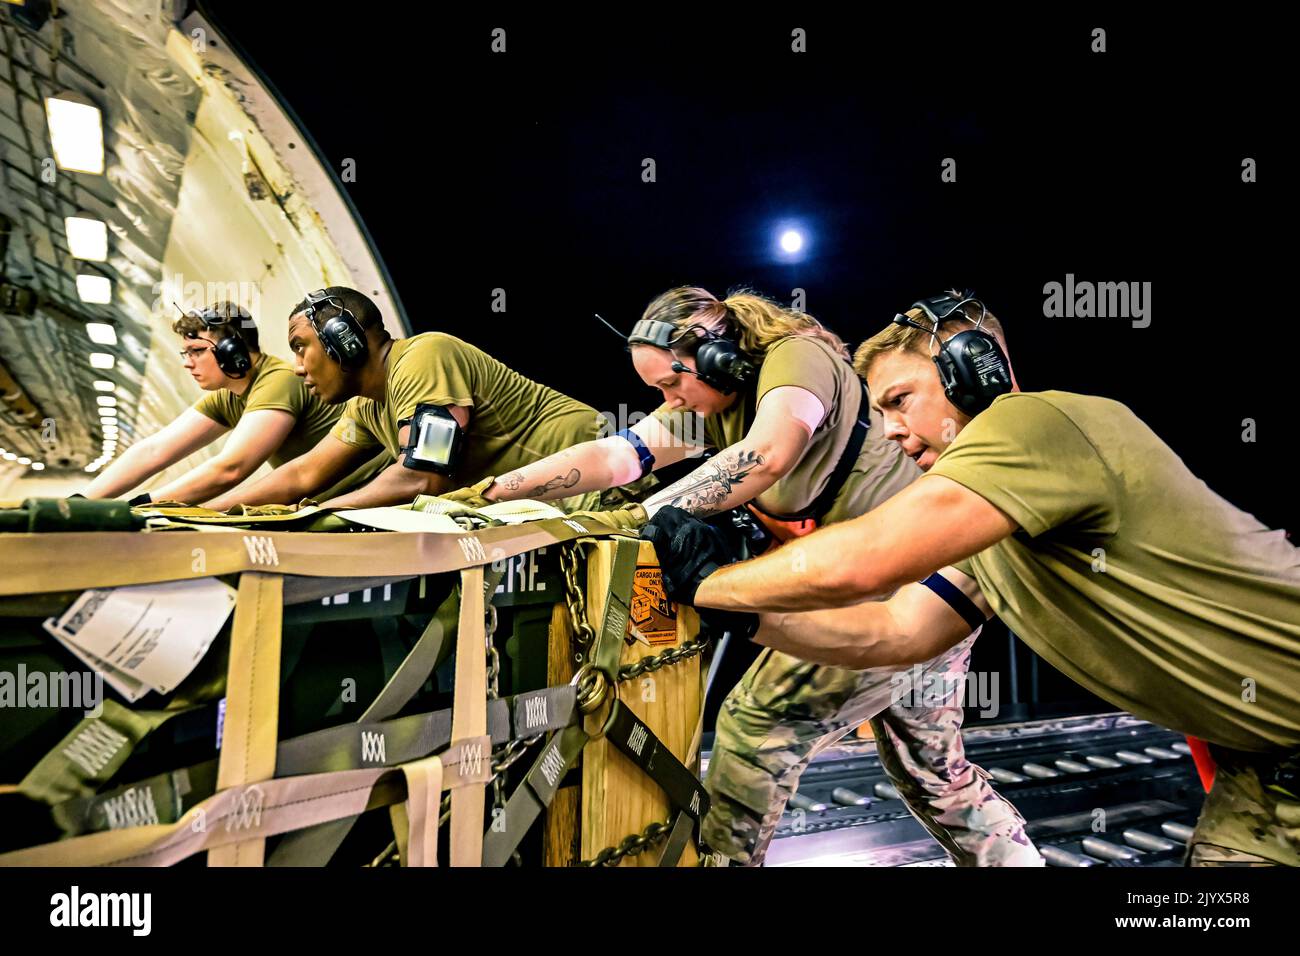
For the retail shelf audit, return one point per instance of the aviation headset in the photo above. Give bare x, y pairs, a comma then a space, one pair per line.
341, 335
719, 362
972, 366
435, 440
230, 351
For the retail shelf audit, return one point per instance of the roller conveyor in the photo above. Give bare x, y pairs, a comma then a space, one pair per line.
1102, 790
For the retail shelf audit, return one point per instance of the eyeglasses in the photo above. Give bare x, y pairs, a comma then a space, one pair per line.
192, 353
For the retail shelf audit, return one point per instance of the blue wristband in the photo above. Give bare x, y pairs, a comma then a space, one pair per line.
643, 453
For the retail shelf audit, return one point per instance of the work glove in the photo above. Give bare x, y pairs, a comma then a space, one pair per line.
688, 549
472, 496
627, 518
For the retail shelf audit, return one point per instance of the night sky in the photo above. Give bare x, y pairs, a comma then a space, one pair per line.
522, 171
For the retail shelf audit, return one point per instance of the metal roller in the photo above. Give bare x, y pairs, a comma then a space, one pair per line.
800, 802
1105, 763
887, 791
1128, 756
1055, 856
1039, 771
1072, 766
849, 798
1176, 831
1105, 850
1006, 776
1164, 753
1148, 842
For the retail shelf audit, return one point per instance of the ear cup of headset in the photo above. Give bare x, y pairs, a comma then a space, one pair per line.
344, 341
232, 357
719, 364
974, 370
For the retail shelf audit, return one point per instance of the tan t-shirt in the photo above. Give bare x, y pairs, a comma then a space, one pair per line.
514, 421
273, 385
1129, 574
882, 470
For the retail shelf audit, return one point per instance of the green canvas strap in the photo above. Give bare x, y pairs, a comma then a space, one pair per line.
618, 599
165, 797
533, 795
61, 515
677, 839
639, 744
91, 753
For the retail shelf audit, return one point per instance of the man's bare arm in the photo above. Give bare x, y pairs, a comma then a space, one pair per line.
186, 434
255, 438
933, 523
303, 477
913, 626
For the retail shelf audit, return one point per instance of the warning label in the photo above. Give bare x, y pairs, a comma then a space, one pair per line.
654, 617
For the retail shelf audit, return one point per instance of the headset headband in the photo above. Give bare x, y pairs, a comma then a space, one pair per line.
954, 300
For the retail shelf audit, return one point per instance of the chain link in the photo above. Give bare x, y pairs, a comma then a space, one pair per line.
494, 692
575, 595
674, 655
631, 846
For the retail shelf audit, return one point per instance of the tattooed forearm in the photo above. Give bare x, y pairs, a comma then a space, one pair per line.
705, 490
559, 481
512, 481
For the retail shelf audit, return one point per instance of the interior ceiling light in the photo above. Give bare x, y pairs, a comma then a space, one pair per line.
101, 360
76, 133
106, 401
101, 333
94, 289
87, 238
38, 466
103, 386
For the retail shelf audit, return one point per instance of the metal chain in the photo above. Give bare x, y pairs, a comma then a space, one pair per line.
632, 845
575, 595
493, 693
674, 655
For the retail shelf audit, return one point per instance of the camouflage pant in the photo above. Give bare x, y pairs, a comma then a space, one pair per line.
1244, 822
785, 711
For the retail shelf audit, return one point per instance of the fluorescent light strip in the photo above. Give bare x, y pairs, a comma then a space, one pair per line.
77, 135
87, 238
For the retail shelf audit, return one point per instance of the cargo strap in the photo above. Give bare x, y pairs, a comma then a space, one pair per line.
252, 715
470, 744
618, 602
315, 847
243, 814
91, 753
639, 743
165, 797
78, 560
535, 793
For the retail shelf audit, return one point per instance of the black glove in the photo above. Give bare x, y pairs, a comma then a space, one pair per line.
688, 549
144, 498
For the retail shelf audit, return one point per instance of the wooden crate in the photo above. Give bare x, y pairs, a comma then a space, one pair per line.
616, 798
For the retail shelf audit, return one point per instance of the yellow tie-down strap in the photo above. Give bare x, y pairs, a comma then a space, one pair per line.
74, 560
